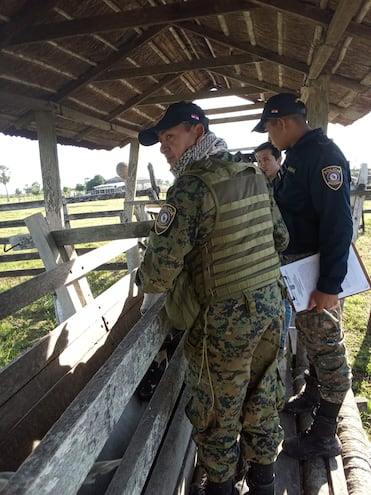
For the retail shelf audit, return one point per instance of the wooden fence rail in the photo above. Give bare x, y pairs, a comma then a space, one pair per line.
12, 245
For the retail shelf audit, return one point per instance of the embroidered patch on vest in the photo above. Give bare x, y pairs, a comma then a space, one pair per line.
333, 177
164, 218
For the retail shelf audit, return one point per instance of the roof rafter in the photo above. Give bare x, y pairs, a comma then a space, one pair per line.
186, 66
136, 18
245, 46
94, 73
309, 12
343, 15
65, 112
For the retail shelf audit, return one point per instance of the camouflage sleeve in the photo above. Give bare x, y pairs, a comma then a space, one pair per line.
186, 218
280, 232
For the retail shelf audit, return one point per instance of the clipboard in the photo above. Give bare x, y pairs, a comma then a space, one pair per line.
301, 276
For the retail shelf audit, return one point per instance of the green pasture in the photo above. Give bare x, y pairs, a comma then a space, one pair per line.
24, 328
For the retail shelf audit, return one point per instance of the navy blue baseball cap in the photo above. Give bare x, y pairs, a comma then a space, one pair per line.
174, 115
280, 105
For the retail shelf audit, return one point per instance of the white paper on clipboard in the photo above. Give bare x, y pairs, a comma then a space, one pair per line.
301, 278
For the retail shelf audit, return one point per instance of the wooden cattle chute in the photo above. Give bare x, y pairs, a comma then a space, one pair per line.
76, 387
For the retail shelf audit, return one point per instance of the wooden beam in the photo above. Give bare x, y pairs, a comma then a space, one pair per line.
131, 182
50, 168
93, 74
135, 100
239, 118
130, 19
173, 68
261, 86
23, 294
102, 233
198, 95
65, 112
345, 11
313, 14
237, 108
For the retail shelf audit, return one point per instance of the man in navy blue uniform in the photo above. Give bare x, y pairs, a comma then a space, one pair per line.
313, 197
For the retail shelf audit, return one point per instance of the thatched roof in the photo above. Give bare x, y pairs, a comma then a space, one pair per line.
108, 68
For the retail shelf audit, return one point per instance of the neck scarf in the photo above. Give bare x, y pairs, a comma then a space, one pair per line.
207, 145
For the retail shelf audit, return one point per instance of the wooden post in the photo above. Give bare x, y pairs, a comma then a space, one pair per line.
50, 169
359, 199
315, 97
131, 182
68, 299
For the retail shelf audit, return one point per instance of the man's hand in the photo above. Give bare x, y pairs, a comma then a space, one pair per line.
321, 300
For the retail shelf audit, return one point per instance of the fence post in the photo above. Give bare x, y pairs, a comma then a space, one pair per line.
359, 199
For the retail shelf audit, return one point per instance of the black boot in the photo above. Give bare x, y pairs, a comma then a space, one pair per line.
307, 400
260, 479
213, 488
319, 440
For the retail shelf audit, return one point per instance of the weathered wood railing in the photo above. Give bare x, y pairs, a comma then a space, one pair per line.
68, 406
13, 245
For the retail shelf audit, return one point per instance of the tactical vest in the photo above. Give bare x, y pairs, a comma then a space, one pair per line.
239, 254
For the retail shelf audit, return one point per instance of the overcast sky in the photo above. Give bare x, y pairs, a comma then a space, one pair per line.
21, 156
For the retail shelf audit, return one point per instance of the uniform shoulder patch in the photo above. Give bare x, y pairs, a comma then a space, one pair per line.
164, 218
333, 177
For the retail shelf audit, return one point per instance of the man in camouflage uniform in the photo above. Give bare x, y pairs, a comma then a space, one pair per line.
220, 228
313, 197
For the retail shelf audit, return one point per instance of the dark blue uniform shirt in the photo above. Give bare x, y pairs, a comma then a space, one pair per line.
313, 197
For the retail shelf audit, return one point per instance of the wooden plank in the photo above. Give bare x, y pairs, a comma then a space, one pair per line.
68, 299
23, 294
335, 470
50, 168
19, 440
57, 465
102, 233
132, 473
172, 452
14, 376
131, 182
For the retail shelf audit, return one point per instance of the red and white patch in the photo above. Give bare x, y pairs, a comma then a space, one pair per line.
333, 177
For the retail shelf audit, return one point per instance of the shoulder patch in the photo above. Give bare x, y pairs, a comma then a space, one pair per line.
164, 218
333, 177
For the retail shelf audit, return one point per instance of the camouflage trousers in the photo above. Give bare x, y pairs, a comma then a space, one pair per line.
325, 347
323, 339
233, 379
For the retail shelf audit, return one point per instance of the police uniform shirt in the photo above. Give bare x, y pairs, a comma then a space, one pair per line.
313, 197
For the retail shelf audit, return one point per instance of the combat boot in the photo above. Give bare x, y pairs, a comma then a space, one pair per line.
260, 479
307, 400
212, 488
319, 440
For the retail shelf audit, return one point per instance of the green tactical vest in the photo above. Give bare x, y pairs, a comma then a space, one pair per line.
239, 254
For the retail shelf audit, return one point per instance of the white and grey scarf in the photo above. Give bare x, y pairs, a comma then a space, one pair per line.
207, 145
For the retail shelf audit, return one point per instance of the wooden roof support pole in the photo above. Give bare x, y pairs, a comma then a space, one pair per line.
315, 96
50, 169
131, 182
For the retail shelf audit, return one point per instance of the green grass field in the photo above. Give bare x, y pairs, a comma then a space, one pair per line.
25, 327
